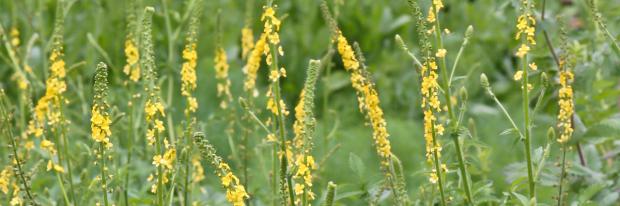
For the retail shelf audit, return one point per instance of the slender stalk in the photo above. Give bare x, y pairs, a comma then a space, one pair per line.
103, 174
562, 175
446, 84
168, 32
462, 168
62, 189
18, 163
438, 169
485, 84
526, 114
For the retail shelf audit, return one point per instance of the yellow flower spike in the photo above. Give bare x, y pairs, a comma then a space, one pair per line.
235, 192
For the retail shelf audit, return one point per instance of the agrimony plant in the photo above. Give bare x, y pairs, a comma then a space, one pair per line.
100, 126
303, 127
165, 153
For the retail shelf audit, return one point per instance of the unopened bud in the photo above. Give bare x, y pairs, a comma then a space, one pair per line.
484, 81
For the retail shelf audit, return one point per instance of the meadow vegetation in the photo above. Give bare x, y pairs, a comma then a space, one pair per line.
309, 102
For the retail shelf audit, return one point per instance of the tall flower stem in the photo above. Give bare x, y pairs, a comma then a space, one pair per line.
453, 125
526, 114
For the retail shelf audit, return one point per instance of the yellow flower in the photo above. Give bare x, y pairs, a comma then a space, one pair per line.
299, 189
441, 53
55, 167
48, 146
100, 126
132, 68
565, 115
221, 74
159, 125
14, 37
165, 160
518, 75
533, 66
253, 64
523, 50
247, 41
5, 180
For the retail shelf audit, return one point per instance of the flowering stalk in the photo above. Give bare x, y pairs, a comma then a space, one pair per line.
132, 70
526, 28
275, 104
430, 101
17, 163
221, 74
235, 192
49, 109
165, 154
565, 114
247, 35
100, 124
188, 86
303, 127
368, 100
433, 17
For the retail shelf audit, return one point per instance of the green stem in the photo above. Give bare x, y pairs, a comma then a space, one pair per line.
526, 114
160, 179
501, 106
129, 146
169, 33
459, 153
446, 85
438, 168
62, 189
188, 150
562, 175
103, 174
280, 117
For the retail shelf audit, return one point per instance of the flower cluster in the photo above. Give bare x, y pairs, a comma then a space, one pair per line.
368, 100
253, 64
303, 127
235, 192
271, 29
221, 74
188, 77
100, 120
431, 105
49, 106
132, 54
7, 182
566, 104
132, 68
526, 28
247, 41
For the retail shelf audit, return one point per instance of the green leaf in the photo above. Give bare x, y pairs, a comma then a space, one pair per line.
356, 164
522, 199
589, 192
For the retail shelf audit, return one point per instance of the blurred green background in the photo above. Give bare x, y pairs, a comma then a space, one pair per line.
95, 31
